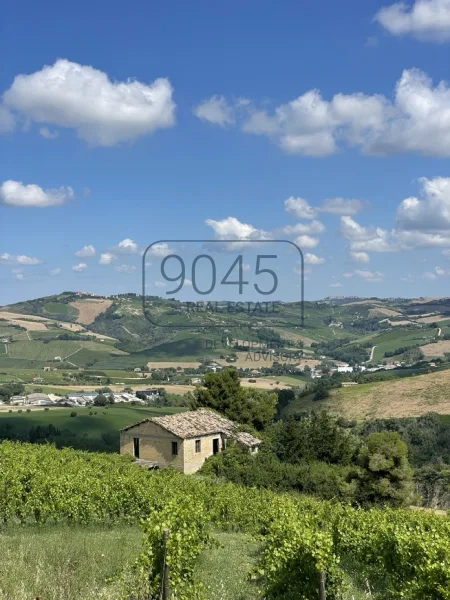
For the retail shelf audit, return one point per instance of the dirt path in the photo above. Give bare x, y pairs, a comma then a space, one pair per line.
72, 353
371, 354
128, 331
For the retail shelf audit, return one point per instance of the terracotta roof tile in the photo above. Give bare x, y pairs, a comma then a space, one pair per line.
195, 423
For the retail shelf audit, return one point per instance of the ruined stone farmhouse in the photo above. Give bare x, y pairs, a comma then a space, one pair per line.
184, 440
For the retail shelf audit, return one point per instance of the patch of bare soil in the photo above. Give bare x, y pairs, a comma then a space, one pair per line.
264, 384
381, 310
90, 309
436, 348
173, 364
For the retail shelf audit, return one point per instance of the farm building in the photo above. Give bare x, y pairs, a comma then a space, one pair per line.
184, 440
38, 399
18, 400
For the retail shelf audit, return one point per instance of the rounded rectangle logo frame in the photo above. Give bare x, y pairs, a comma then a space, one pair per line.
148, 315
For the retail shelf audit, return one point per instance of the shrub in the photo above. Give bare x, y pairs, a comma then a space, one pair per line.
28, 409
46, 408
73, 414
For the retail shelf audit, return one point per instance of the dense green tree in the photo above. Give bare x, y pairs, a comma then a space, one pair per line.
313, 438
222, 391
101, 400
387, 477
7, 390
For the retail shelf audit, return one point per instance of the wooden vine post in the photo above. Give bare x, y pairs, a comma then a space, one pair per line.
166, 582
321, 577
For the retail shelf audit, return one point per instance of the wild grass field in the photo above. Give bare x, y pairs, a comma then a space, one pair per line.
406, 397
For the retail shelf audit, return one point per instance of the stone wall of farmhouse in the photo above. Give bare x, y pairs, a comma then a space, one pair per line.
193, 460
155, 444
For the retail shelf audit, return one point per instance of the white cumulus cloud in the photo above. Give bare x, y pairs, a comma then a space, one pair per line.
425, 19
312, 259
371, 276
300, 208
18, 259
306, 241
126, 246
429, 275
431, 212
15, 193
313, 227
106, 258
160, 250
80, 267
360, 257
86, 252
233, 229
416, 120
101, 111
215, 110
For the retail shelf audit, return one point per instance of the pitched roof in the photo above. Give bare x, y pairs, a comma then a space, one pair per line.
195, 423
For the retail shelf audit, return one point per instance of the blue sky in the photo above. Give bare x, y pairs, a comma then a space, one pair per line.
321, 122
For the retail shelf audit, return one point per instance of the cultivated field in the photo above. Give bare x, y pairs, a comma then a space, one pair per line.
381, 310
173, 364
432, 319
11, 315
392, 340
90, 309
436, 349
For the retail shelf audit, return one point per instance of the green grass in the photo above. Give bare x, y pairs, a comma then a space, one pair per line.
64, 563
106, 421
7, 331
83, 563
27, 375
6, 361
225, 568
37, 350
60, 308
49, 389
390, 341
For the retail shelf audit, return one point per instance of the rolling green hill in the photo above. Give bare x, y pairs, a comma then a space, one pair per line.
125, 339
405, 397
